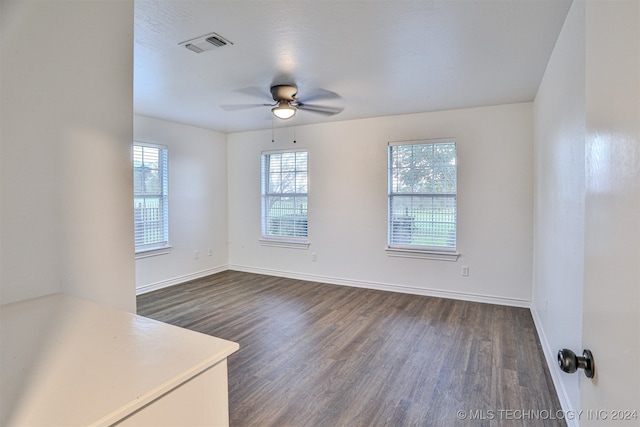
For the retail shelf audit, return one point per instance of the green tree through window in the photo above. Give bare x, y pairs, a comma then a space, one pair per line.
422, 195
150, 197
284, 195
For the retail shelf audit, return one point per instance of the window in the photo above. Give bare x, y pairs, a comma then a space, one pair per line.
422, 196
284, 196
150, 197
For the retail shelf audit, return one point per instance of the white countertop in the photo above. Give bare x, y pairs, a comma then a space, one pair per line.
66, 361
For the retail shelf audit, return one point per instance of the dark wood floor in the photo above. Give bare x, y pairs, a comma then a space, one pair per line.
315, 354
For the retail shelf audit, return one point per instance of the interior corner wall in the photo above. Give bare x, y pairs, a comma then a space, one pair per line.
348, 204
197, 203
67, 123
559, 206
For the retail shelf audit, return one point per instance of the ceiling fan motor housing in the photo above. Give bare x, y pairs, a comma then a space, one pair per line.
284, 92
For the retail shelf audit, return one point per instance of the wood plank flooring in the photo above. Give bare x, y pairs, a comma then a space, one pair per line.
315, 354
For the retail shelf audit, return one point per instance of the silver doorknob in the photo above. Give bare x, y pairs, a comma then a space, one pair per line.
570, 363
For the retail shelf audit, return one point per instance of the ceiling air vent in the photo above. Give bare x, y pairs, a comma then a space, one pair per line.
216, 40
207, 42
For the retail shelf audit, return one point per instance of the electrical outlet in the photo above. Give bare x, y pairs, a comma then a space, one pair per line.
196, 255
464, 271
314, 256
210, 252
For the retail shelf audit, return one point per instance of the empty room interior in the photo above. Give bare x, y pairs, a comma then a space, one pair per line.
328, 213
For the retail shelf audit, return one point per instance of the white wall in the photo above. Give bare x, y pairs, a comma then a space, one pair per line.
197, 203
66, 110
348, 204
559, 117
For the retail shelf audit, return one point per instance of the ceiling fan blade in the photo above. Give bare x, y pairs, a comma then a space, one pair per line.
318, 94
237, 107
320, 109
254, 91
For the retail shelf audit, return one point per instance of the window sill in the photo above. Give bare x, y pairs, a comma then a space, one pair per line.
423, 254
292, 244
146, 253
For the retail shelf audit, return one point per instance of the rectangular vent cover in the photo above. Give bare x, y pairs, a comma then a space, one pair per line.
204, 43
216, 41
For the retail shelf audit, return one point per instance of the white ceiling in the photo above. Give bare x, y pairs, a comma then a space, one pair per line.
382, 57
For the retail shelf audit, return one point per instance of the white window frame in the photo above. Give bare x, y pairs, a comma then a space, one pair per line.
409, 250
159, 246
267, 239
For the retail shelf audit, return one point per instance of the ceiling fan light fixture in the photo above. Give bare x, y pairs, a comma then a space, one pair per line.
284, 110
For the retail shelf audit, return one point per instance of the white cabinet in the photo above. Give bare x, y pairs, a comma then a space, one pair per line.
70, 362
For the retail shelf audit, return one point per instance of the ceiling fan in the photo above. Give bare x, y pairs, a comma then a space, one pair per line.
287, 104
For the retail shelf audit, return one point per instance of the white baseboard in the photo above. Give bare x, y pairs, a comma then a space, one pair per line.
180, 279
550, 355
513, 302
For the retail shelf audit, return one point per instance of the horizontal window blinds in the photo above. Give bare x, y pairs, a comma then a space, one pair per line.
422, 195
284, 195
150, 197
